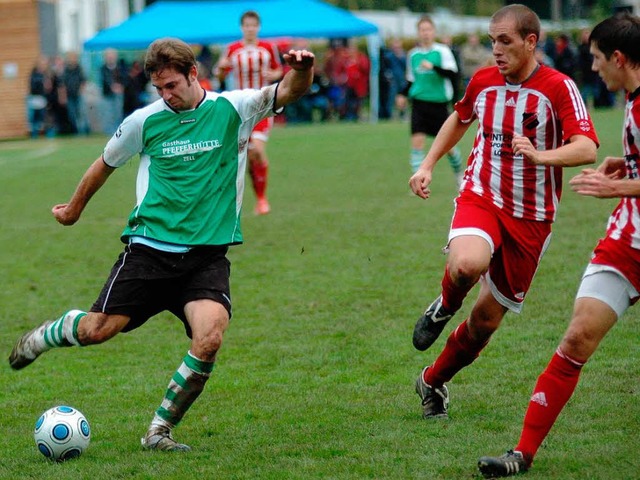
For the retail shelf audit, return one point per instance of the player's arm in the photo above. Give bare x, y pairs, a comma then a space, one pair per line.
595, 183
95, 176
403, 95
223, 67
449, 135
297, 80
580, 150
274, 74
613, 167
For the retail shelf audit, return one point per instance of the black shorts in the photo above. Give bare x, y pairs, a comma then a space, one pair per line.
145, 281
428, 117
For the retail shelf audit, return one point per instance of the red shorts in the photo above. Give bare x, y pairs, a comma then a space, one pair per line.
621, 256
262, 129
517, 246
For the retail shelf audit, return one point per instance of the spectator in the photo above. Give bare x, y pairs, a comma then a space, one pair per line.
316, 100
385, 84
112, 78
204, 77
393, 66
473, 55
357, 82
74, 81
334, 69
565, 59
547, 44
588, 79
57, 100
542, 58
39, 87
135, 84
398, 59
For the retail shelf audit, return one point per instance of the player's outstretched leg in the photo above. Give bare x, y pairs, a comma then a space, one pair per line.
430, 325
60, 333
511, 463
185, 386
160, 438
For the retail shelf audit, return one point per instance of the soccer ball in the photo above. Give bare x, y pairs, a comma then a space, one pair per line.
62, 433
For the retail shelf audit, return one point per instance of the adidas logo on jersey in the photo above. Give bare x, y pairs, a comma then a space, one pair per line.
540, 398
510, 103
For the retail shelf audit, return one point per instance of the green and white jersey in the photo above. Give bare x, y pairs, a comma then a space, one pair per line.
427, 84
192, 166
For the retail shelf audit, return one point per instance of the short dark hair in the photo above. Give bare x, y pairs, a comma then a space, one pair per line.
527, 22
619, 32
169, 53
250, 14
426, 19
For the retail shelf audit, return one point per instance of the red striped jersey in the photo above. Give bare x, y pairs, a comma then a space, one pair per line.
624, 223
548, 109
249, 63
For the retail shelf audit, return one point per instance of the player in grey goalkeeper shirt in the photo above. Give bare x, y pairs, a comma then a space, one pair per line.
193, 149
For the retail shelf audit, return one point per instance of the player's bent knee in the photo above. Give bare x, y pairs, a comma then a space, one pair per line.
466, 274
208, 345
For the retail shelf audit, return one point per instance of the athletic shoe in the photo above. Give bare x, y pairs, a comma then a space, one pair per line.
511, 463
459, 179
434, 400
159, 438
262, 206
26, 350
429, 326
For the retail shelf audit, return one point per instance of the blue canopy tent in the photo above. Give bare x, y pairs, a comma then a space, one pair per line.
217, 22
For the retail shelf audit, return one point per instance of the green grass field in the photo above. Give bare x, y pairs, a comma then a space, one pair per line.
315, 379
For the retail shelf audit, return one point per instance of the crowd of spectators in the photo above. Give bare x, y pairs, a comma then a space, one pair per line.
56, 102
57, 97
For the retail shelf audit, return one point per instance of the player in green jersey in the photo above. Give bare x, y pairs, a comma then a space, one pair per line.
431, 67
193, 151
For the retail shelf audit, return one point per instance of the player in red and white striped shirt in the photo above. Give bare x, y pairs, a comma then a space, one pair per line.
611, 282
253, 63
532, 122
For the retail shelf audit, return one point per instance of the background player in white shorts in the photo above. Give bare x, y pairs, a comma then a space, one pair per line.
611, 281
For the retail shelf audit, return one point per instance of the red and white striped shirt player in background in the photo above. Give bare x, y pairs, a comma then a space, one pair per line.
532, 122
253, 63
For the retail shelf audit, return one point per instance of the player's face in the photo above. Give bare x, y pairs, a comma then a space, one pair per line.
513, 54
178, 91
426, 33
250, 28
607, 69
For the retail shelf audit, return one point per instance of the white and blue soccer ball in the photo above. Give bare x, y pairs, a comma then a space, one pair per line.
62, 433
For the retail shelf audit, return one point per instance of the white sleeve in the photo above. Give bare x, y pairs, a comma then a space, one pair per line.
409, 71
126, 142
448, 60
253, 105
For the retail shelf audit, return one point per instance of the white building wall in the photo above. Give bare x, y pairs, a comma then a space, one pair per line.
80, 20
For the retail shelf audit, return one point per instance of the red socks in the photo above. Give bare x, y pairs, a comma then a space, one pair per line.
552, 391
452, 294
460, 350
258, 172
